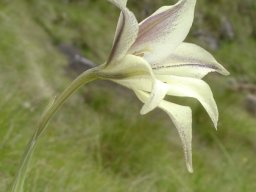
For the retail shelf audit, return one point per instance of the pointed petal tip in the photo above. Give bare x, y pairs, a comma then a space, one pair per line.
144, 110
189, 166
188, 157
190, 169
215, 121
224, 72
216, 126
220, 69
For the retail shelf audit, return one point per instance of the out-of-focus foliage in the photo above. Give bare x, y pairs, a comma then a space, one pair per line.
98, 141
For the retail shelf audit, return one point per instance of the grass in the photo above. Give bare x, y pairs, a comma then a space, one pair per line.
98, 141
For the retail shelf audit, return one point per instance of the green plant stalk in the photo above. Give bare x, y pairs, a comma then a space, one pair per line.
81, 80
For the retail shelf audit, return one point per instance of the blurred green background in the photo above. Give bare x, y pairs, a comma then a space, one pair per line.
98, 142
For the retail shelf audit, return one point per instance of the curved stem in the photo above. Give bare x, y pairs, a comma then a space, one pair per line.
82, 79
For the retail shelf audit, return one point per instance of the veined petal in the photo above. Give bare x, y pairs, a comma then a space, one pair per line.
126, 32
120, 19
189, 60
163, 31
196, 88
182, 119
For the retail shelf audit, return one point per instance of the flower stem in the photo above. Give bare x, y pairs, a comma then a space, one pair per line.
82, 79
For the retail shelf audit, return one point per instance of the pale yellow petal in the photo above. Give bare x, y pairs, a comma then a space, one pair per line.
196, 88
128, 67
123, 2
163, 31
126, 32
189, 60
157, 94
132, 72
135, 73
182, 119
120, 20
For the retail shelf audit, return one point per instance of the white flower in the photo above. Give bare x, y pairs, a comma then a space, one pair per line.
151, 58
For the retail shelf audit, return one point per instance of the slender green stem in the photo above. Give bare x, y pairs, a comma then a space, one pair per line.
84, 78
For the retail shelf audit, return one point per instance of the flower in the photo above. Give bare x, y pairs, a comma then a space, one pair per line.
151, 58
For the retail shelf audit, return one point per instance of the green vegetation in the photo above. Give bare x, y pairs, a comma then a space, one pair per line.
98, 141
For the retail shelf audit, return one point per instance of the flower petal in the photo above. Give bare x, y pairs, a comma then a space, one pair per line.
126, 32
158, 93
120, 19
196, 88
128, 67
189, 60
156, 89
135, 73
182, 119
163, 31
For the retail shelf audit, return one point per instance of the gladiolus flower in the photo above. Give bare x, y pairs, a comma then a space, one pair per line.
151, 59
